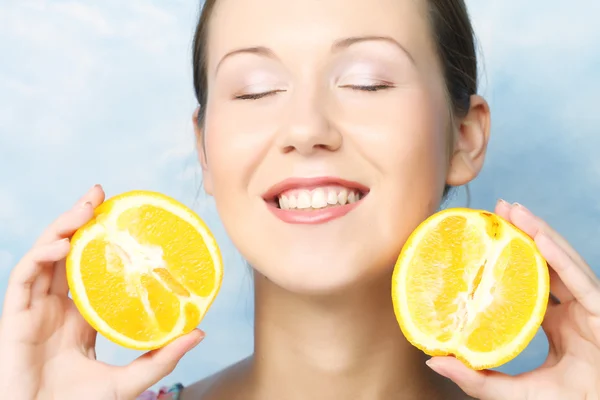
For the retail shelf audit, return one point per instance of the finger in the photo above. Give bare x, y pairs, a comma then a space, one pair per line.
558, 289
81, 330
95, 196
65, 225
69, 222
51, 280
25, 273
584, 288
59, 284
41, 285
503, 209
483, 385
525, 220
148, 369
551, 326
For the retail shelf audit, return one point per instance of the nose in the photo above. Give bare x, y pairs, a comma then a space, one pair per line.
307, 127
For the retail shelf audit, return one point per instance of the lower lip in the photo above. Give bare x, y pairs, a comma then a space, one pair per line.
312, 217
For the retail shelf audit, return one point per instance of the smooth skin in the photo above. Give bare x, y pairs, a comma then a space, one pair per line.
324, 323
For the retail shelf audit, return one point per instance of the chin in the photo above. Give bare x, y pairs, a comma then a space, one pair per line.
318, 275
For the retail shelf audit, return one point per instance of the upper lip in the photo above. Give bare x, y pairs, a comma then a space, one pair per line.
299, 183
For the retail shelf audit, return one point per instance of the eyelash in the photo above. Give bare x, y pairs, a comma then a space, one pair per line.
369, 88
256, 96
364, 88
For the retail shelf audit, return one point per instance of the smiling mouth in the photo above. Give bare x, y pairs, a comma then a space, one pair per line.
314, 200
319, 198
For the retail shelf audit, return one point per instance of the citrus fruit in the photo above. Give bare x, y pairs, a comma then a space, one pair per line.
144, 270
470, 284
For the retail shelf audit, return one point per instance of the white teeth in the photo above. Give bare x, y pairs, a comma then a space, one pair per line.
284, 203
292, 202
304, 200
343, 197
351, 198
332, 197
318, 199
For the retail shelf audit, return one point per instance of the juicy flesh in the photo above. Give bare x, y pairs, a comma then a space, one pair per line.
151, 264
469, 288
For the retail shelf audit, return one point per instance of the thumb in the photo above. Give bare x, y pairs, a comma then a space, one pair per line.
148, 369
483, 385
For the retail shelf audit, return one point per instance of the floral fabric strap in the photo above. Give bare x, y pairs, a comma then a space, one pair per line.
165, 393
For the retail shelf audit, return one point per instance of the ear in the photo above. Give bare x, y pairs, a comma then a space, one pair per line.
470, 143
199, 133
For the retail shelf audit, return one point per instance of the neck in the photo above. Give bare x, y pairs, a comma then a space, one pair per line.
343, 346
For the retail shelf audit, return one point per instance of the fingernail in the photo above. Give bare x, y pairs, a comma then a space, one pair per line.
522, 207
95, 187
86, 205
504, 202
436, 367
200, 337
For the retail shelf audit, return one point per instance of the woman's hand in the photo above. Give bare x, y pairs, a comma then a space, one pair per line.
47, 348
572, 369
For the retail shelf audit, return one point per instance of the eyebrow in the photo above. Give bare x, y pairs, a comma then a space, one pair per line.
258, 50
347, 42
339, 45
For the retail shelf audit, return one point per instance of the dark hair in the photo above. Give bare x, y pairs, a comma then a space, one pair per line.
451, 29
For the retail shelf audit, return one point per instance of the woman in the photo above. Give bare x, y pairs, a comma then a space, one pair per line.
369, 102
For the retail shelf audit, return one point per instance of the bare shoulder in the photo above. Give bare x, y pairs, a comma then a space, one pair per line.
228, 383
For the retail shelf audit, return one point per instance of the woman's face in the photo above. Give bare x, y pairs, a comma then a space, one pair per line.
327, 134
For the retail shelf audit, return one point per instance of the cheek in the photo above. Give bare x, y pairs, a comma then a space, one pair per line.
234, 147
421, 145
411, 155
417, 157
226, 164
403, 134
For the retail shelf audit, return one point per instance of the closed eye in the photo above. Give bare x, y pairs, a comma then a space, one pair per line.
256, 96
368, 88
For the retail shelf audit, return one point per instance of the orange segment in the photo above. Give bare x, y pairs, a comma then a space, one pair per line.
162, 304
113, 299
515, 298
144, 271
184, 249
469, 284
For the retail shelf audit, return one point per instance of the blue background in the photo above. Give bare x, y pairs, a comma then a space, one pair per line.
101, 92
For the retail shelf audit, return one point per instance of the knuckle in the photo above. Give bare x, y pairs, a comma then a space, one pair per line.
35, 255
168, 366
20, 266
545, 228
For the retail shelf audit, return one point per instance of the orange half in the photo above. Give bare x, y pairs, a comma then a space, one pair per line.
144, 271
470, 284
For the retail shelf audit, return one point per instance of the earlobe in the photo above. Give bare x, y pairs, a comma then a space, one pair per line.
199, 134
471, 144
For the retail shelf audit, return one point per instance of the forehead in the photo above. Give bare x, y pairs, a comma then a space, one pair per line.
304, 27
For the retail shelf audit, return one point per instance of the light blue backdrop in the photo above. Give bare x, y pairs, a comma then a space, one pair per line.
101, 92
